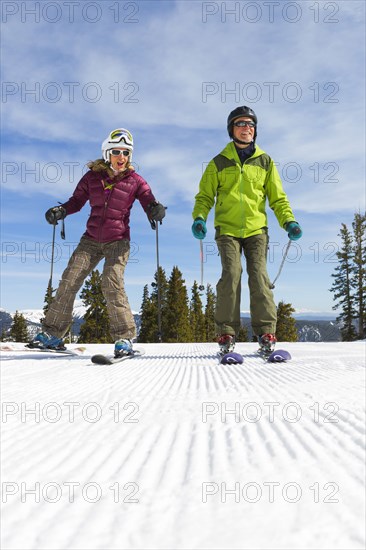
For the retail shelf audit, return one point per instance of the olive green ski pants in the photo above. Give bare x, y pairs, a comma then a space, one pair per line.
263, 310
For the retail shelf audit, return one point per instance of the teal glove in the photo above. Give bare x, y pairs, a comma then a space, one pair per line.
294, 231
199, 228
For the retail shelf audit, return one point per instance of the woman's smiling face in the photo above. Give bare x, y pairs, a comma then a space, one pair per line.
119, 159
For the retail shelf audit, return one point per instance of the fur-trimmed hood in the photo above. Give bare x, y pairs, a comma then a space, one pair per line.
100, 165
109, 218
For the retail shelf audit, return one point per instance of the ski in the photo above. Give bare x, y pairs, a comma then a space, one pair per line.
100, 359
76, 352
279, 356
234, 358
230, 358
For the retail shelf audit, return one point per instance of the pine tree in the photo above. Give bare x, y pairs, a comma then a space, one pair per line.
359, 275
47, 300
96, 322
343, 286
286, 325
210, 314
176, 326
196, 316
163, 290
149, 308
18, 330
242, 334
148, 312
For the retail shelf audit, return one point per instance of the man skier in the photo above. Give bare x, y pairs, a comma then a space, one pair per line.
238, 181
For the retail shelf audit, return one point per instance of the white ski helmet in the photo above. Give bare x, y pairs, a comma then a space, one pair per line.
117, 138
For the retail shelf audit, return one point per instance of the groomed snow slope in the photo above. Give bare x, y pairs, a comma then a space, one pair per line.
175, 451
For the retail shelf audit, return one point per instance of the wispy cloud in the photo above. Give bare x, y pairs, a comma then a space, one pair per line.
172, 77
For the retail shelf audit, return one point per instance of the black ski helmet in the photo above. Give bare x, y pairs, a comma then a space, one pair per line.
238, 112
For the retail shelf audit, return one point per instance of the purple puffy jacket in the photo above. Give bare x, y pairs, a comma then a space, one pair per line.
110, 209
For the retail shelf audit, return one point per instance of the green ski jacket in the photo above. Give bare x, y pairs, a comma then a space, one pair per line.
240, 192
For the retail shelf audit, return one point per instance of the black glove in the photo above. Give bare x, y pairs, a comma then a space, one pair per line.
156, 211
54, 214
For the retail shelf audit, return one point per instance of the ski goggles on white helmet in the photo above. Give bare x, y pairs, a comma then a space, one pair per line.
120, 135
117, 138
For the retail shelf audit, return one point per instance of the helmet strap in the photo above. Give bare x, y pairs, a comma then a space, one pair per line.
243, 142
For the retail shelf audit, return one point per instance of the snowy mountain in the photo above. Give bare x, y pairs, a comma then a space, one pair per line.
318, 331
311, 330
6, 320
34, 316
309, 333
173, 450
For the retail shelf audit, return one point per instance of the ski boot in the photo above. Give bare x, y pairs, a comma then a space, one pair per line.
226, 343
267, 344
123, 347
45, 340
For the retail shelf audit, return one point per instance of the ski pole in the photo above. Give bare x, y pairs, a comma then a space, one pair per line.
202, 286
158, 281
52, 256
282, 264
295, 231
155, 226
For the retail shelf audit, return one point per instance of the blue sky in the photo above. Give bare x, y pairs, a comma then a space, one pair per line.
171, 72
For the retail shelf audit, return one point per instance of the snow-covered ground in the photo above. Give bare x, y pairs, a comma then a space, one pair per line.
173, 450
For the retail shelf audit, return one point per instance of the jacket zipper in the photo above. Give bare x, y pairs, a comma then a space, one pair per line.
242, 194
106, 201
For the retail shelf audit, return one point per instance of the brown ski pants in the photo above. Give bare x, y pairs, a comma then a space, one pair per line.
84, 259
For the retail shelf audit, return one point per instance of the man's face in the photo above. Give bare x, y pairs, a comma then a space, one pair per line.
244, 133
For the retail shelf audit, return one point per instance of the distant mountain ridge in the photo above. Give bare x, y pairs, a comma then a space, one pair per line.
309, 330
33, 319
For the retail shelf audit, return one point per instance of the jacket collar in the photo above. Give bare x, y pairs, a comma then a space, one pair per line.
119, 177
229, 151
